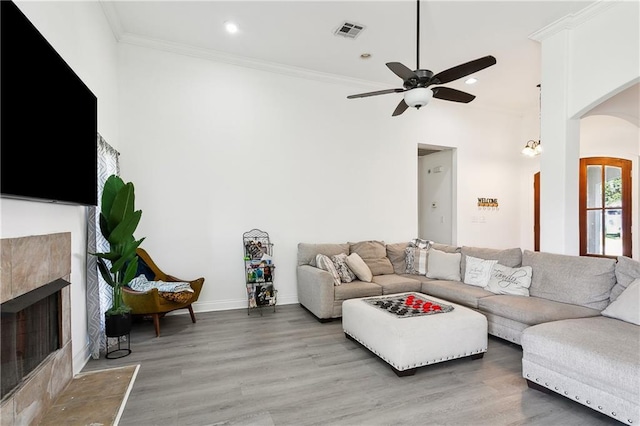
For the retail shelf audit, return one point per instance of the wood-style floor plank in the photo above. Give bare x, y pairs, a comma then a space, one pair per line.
286, 368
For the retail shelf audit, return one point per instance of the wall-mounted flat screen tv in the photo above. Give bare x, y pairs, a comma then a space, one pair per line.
48, 119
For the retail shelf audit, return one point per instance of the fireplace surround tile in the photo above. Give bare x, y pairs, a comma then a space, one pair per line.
29, 263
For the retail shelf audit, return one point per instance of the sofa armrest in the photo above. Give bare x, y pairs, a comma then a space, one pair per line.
316, 290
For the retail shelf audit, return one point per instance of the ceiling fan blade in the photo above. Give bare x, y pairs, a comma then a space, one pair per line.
401, 71
379, 92
402, 107
463, 69
449, 94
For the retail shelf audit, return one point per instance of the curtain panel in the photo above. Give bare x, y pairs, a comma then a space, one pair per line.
98, 291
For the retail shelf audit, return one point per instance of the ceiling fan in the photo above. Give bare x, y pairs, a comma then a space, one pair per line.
416, 83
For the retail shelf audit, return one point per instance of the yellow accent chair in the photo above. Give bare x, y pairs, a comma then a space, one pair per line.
152, 303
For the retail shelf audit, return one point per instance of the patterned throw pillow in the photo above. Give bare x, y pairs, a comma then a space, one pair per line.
324, 262
420, 243
416, 260
478, 271
178, 297
340, 262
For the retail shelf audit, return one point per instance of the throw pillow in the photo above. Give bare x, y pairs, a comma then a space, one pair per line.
416, 260
340, 262
357, 265
324, 262
420, 243
626, 307
506, 280
478, 271
443, 266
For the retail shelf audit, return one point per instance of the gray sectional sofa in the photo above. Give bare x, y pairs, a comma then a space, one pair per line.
569, 347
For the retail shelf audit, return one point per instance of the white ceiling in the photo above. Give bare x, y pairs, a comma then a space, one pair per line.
300, 34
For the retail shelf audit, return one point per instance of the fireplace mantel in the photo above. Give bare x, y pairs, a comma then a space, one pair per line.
28, 263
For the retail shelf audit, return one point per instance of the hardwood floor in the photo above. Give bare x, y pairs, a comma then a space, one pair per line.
286, 368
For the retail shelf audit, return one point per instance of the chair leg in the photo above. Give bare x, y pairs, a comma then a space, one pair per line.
193, 316
156, 324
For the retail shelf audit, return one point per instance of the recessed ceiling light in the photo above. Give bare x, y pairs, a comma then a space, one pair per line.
365, 55
231, 27
471, 80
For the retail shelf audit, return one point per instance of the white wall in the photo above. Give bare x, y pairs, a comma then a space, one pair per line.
585, 61
215, 150
80, 34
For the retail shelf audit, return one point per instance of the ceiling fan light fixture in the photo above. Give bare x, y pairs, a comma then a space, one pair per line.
418, 97
471, 80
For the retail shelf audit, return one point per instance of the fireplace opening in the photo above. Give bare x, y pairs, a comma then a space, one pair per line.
30, 327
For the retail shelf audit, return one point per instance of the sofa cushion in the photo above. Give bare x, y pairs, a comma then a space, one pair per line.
392, 284
356, 289
588, 350
627, 270
340, 262
626, 307
324, 262
478, 271
505, 280
455, 291
443, 266
357, 265
445, 247
374, 254
397, 257
307, 252
579, 280
508, 257
532, 310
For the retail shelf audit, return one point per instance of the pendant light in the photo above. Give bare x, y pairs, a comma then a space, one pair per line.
533, 147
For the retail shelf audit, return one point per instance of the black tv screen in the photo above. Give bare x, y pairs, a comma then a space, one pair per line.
48, 119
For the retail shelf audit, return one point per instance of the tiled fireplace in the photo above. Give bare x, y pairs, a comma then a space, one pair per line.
35, 268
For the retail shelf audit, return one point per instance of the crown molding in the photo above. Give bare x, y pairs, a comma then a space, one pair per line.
112, 18
242, 61
573, 20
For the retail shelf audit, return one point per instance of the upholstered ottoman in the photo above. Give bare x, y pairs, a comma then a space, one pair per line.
406, 335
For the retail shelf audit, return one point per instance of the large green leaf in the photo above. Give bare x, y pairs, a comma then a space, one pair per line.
123, 232
111, 188
106, 274
122, 205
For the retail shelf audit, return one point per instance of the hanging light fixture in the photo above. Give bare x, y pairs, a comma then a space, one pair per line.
532, 147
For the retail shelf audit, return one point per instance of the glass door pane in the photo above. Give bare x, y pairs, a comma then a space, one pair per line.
594, 186
613, 232
613, 186
594, 232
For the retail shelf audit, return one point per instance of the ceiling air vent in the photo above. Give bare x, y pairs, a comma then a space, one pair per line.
349, 30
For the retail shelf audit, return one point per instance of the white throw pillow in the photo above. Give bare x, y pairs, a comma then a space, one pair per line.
340, 262
324, 262
478, 271
357, 265
443, 266
627, 306
505, 280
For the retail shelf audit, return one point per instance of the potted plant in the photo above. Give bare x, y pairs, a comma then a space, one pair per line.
118, 266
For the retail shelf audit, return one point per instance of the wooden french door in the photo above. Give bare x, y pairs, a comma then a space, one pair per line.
536, 211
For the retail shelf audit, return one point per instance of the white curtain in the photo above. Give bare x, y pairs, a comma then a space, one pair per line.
98, 291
